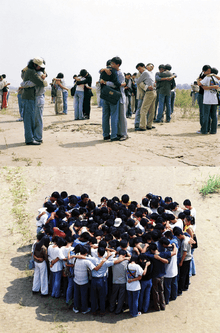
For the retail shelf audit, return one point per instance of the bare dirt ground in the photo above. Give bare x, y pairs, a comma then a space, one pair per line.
74, 158
170, 144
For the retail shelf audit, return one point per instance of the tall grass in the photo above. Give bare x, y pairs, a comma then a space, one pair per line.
212, 185
184, 102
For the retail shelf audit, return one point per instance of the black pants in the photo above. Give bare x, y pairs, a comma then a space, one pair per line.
183, 283
86, 105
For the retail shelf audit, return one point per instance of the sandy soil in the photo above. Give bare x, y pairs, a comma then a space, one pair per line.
171, 160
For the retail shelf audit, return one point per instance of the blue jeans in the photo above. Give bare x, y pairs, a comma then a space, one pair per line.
201, 109
144, 299
161, 106
38, 127
65, 98
78, 104
192, 268
137, 113
110, 110
133, 297
56, 281
210, 120
20, 105
69, 291
29, 117
170, 288
98, 292
81, 292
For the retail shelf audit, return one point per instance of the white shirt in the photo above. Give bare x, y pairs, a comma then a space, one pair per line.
136, 271
210, 96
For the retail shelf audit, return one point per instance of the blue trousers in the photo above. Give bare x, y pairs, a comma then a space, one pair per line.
210, 120
81, 292
170, 288
161, 106
110, 111
65, 99
98, 293
56, 281
69, 290
29, 119
78, 104
133, 297
144, 299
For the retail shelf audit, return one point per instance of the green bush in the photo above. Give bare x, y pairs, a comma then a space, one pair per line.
211, 186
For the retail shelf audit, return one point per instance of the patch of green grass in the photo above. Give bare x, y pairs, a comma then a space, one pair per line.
212, 185
19, 199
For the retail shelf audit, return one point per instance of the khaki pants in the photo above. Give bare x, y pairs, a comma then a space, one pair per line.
148, 108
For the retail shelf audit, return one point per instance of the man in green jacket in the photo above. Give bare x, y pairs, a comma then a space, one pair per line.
28, 95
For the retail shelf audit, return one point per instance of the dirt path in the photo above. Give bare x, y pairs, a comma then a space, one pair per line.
173, 144
79, 161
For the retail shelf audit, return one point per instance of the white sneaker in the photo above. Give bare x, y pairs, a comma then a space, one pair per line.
139, 313
76, 311
198, 132
19, 119
88, 310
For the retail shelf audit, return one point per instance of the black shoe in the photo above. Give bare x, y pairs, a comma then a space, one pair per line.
140, 129
150, 128
107, 137
123, 138
115, 139
35, 292
33, 143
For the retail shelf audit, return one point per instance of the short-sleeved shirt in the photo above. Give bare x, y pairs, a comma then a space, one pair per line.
210, 96
119, 272
103, 271
133, 271
159, 268
81, 271
186, 247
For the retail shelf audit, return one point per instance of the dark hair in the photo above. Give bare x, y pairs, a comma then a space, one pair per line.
134, 258
168, 234
164, 241
187, 202
123, 243
64, 194
152, 247
213, 70
50, 207
161, 66
60, 76
84, 195
45, 240
117, 61
103, 243
125, 198
73, 199
83, 72
140, 64
108, 63
181, 215
205, 68
101, 251
122, 253
168, 67
177, 231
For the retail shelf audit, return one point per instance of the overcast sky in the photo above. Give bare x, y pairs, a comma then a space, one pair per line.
75, 34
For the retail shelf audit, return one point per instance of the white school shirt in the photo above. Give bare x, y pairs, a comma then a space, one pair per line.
210, 96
